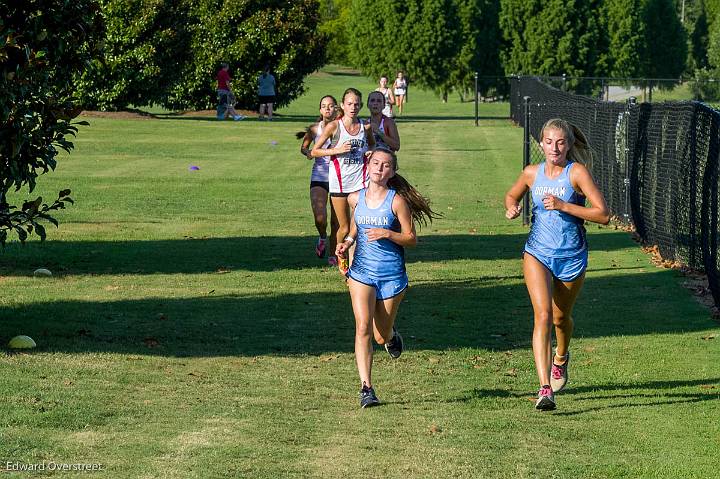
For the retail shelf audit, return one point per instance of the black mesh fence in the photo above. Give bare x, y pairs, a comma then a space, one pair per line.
656, 164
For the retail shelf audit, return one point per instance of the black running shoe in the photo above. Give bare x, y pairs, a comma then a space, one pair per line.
368, 397
394, 347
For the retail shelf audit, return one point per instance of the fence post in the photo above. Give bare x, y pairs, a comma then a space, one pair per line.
476, 98
526, 157
632, 101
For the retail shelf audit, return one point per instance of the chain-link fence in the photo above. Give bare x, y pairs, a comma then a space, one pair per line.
656, 163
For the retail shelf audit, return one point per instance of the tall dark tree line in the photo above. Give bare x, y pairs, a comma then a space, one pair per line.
439, 44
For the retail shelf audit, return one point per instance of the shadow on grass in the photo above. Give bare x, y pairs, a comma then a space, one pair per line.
612, 396
290, 118
265, 253
252, 120
484, 313
608, 396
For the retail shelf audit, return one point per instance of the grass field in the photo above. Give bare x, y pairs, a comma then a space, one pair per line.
189, 331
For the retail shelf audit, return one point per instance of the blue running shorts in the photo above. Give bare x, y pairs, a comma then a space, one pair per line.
564, 269
384, 288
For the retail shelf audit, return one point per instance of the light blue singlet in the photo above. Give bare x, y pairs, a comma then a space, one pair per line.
555, 234
382, 259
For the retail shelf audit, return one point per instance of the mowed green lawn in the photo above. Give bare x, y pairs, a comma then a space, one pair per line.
190, 332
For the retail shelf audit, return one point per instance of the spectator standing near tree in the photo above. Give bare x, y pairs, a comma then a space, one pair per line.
266, 93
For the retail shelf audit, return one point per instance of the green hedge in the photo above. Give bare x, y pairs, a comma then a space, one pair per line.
43, 43
167, 52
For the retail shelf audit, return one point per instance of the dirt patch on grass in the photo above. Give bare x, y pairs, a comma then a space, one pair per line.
119, 115
246, 113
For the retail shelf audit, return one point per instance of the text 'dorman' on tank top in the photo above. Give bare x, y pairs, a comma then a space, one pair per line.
321, 165
380, 259
555, 234
348, 171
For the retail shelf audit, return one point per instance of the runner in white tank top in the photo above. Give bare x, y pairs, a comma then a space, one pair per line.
388, 94
351, 138
384, 129
321, 166
348, 171
319, 188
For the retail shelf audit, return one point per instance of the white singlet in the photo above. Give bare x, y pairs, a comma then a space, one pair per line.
387, 110
321, 166
381, 129
348, 172
400, 87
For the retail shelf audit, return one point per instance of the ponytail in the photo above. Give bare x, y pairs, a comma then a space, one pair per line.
420, 209
580, 150
419, 205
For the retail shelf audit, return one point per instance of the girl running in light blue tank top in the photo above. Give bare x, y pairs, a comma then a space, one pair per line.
555, 256
555, 234
383, 224
379, 263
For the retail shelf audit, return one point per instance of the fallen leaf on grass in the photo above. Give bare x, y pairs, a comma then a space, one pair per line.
434, 360
435, 429
330, 357
709, 336
511, 372
707, 386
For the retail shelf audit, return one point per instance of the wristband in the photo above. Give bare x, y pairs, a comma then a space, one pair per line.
350, 239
